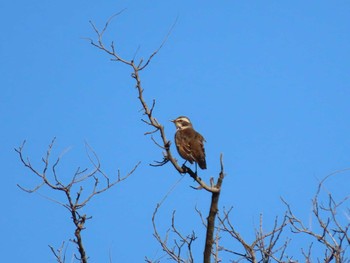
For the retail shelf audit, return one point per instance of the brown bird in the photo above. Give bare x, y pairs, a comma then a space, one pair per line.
189, 143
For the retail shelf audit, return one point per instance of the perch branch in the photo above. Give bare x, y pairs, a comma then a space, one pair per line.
148, 111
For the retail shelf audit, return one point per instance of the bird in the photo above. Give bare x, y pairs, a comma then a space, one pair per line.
189, 143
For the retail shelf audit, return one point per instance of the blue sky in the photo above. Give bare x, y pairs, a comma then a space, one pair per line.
266, 83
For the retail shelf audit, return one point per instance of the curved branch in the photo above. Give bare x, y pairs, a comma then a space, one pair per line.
148, 111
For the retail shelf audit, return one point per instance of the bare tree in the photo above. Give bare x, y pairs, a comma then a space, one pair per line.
181, 248
73, 191
271, 246
332, 234
148, 111
265, 246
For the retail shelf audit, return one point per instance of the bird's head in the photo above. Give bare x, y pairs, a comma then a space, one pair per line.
182, 122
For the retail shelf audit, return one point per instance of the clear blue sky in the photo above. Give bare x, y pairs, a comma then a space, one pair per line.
266, 82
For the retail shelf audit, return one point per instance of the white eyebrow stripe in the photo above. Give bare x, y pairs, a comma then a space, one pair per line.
184, 119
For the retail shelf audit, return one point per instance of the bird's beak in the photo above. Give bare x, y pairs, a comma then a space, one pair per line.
172, 120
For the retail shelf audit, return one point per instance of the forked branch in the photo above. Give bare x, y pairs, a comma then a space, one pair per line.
331, 233
73, 201
158, 128
265, 247
180, 249
136, 68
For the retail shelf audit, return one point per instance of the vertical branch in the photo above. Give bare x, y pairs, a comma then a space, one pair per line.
209, 240
217, 244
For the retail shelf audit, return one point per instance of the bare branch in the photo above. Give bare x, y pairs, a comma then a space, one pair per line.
31, 190
265, 247
59, 255
214, 189
73, 205
163, 242
331, 233
148, 111
201, 216
209, 240
159, 48
180, 243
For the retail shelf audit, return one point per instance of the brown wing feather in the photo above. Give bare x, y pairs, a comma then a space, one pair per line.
182, 141
198, 151
190, 145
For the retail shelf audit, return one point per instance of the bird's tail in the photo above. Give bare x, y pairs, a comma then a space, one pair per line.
202, 164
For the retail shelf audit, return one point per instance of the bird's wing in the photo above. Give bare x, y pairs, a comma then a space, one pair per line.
184, 146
